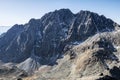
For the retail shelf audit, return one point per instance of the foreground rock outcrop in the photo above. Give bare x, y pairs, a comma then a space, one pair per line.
63, 45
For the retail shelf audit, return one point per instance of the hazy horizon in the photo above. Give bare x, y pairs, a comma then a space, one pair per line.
4, 29
21, 11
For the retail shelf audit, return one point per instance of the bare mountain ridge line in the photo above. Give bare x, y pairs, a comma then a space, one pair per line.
59, 40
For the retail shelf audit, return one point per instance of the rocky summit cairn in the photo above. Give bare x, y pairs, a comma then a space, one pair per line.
79, 45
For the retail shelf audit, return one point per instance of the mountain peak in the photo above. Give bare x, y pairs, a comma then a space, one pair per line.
59, 33
63, 10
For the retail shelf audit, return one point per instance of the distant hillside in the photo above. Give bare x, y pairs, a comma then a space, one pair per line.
4, 29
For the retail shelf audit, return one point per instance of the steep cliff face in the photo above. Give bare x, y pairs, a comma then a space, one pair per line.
43, 41
8, 43
87, 24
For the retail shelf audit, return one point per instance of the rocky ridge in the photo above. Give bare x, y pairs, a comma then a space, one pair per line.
63, 42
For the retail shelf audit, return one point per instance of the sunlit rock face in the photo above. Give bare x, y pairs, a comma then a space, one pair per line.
43, 41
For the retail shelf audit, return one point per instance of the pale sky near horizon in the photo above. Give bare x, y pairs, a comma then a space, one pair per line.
21, 11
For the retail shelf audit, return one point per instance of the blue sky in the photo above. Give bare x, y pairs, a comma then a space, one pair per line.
20, 11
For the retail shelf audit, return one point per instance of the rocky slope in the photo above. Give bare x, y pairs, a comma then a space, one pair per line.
79, 45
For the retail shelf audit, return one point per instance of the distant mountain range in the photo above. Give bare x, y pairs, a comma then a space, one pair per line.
4, 29
62, 46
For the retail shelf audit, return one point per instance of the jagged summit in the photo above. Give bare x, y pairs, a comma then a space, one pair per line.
57, 34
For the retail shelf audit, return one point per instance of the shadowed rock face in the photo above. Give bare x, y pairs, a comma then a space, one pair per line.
42, 41
115, 74
107, 78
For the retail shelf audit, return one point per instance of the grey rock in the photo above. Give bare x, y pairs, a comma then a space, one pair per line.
44, 41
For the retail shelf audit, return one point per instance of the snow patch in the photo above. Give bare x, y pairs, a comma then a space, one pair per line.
88, 21
37, 46
39, 34
76, 42
65, 31
62, 23
18, 40
117, 47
